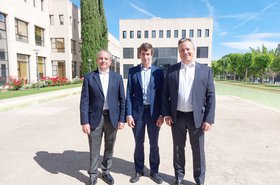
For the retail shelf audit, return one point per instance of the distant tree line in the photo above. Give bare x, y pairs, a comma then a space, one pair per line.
258, 65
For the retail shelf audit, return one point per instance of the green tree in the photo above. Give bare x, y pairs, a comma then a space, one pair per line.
261, 63
275, 67
247, 61
94, 33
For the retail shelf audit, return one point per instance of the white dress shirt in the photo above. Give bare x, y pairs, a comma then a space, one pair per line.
186, 78
145, 77
104, 77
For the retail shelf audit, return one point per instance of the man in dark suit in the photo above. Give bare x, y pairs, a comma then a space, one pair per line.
143, 108
102, 110
188, 106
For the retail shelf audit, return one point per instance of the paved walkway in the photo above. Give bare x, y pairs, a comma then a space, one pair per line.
42, 144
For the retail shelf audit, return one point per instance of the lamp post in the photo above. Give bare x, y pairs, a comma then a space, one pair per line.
37, 67
89, 63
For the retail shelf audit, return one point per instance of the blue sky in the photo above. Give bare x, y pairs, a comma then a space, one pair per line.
238, 24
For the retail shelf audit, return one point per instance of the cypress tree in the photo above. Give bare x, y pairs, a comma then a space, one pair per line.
94, 33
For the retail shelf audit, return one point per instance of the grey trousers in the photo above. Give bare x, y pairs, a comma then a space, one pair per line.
184, 124
95, 139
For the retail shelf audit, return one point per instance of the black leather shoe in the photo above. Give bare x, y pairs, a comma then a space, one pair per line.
156, 177
92, 181
107, 177
179, 182
135, 177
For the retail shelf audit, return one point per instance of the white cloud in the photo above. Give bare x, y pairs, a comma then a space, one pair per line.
142, 10
255, 15
209, 7
245, 45
243, 16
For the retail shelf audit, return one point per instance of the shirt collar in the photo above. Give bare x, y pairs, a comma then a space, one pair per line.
183, 65
145, 69
103, 72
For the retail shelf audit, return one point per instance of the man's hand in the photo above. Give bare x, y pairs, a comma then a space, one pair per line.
206, 126
86, 128
159, 121
120, 125
130, 121
168, 120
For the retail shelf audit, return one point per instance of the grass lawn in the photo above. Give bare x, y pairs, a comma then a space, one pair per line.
18, 93
267, 87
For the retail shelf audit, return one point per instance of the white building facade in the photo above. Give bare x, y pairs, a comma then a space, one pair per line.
39, 38
164, 34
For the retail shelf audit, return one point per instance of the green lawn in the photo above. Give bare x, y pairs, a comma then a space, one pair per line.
267, 87
18, 93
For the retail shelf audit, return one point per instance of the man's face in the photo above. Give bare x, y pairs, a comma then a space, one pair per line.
186, 51
146, 57
103, 61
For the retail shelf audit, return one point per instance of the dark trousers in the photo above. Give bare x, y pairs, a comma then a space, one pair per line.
95, 138
184, 124
139, 136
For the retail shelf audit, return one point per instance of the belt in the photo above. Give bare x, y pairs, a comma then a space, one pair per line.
105, 112
180, 112
146, 106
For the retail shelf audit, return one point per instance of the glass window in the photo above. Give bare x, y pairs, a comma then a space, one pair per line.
58, 68
23, 66
41, 66
160, 33
3, 74
51, 20
199, 33
128, 53
61, 19
183, 33
126, 70
2, 22
21, 31
74, 69
175, 33
206, 32
58, 45
146, 34
124, 34
131, 34
74, 23
153, 33
39, 36
138, 34
73, 46
168, 34
191, 33
202, 52
42, 5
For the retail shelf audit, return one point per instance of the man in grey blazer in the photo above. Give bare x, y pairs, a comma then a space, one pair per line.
102, 111
188, 106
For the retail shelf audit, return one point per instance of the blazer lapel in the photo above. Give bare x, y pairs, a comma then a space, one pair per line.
111, 83
176, 75
138, 74
98, 81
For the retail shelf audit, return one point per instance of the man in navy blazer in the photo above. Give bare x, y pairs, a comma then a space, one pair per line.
188, 106
143, 108
102, 110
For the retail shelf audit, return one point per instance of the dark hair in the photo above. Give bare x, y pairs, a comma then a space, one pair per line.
145, 47
185, 40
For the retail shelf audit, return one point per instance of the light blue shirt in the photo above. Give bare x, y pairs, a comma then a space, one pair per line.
145, 76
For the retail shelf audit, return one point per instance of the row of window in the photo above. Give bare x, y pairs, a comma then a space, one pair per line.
34, 2
201, 52
57, 44
164, 34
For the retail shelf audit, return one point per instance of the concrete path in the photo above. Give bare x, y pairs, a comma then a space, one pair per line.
42, 144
